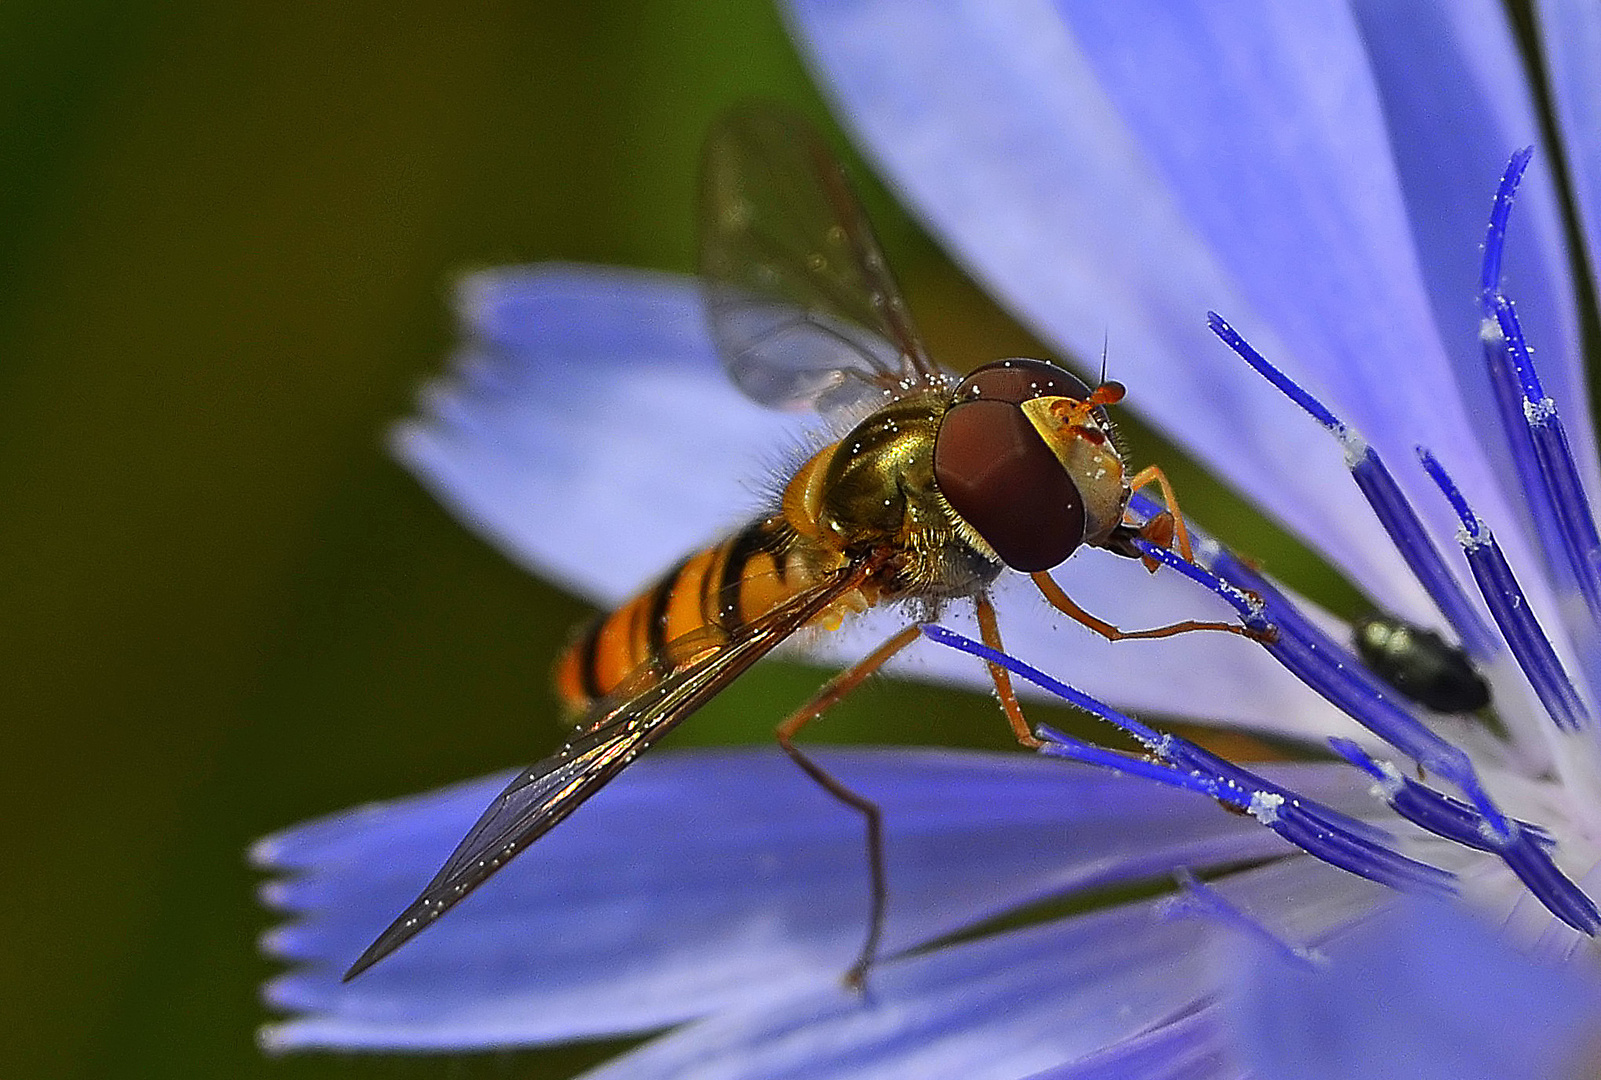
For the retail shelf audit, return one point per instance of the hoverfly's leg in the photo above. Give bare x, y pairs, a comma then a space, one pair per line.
1061, 602
1165, 529
831, 692
990, 631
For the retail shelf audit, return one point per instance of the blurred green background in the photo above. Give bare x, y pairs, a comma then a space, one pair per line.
229, 236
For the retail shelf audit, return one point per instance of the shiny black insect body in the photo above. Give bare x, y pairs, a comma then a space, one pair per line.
1420, 664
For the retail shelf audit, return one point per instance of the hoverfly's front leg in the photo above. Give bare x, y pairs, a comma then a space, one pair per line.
1166, 529
832, 691
1063, 603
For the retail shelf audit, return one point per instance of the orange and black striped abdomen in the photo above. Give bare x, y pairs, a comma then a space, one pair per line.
714, 591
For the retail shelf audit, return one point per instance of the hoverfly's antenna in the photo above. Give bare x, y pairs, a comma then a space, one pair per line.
1106, 342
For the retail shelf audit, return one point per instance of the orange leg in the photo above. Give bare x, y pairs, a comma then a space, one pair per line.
1167, 529
1173, 527
990, 631
831, 692
1061, 602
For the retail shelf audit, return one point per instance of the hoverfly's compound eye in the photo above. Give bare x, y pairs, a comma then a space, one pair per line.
1018, 381
996, 471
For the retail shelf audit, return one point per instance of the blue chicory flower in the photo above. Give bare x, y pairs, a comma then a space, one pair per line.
1318, 173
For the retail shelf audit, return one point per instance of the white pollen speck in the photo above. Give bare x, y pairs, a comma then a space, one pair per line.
1352, 442
1265, 806
1539, 413
1390, 784
1473, 538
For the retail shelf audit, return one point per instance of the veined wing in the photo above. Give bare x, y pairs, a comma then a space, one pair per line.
615, 730
802, 305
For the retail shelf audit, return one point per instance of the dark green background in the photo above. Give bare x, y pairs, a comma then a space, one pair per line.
228, 236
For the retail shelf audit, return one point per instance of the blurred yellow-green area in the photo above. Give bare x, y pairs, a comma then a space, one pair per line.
229, 233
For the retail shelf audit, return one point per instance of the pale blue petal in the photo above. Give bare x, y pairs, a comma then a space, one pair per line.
1570, 37
1426, 993
1002, 1008
1193, 1047
701, 882
587, 429
1116, 169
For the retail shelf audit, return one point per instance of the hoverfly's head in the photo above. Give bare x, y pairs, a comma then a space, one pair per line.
1025, 456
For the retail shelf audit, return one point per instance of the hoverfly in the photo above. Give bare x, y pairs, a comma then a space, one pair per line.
938, 484
1420, 664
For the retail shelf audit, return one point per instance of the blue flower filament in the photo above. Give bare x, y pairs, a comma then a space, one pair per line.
1334, 672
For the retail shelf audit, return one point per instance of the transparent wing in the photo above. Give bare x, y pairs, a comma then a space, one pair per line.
616, 729
802, 304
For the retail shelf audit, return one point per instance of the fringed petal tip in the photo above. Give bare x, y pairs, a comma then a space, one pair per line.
587, 428
756, 884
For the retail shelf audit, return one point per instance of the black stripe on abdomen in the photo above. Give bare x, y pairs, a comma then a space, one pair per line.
766, 536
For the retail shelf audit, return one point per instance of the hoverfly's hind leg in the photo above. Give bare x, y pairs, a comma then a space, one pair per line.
990, 631
825, 698
1166, 529
1063, 603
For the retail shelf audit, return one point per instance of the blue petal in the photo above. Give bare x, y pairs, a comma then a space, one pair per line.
1125, 167
1000, 1008
1426, 993
1190, 1048
1570, 36
587, 428
701, 882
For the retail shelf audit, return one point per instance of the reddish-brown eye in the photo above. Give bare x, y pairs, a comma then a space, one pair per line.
996, 471
1018, 381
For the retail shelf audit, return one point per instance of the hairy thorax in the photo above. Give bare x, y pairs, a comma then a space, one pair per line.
875, 489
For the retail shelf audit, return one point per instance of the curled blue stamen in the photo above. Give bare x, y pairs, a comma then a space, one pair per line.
1322, 663
1495, 237
1422, 557
1059, 744
1509, 406
1516, 349
1332, 836
1510, 608
1531, 862
1389, 505
1546, 439
1318, 830
1248, 606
